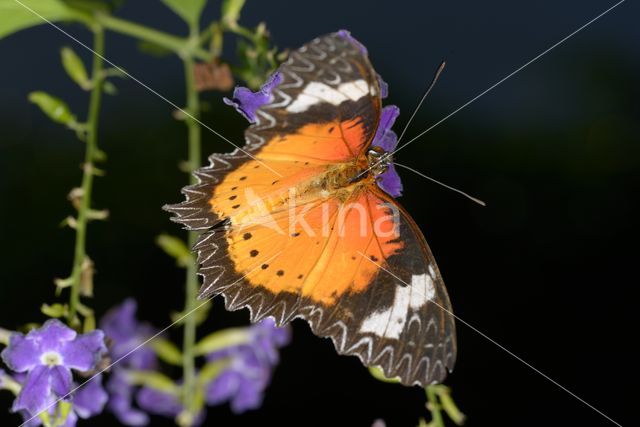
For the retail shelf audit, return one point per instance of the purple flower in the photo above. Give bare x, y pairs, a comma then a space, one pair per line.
158, 402
243, 382
121, 394
165, 404
127, 334
266, 338
47, 355
387, 140
347, 36
90, 399
384, 87
247, 102
87, 402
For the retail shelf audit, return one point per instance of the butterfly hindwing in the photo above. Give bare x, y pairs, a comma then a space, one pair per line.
403, 320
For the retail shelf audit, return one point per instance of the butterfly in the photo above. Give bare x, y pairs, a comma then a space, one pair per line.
302, 221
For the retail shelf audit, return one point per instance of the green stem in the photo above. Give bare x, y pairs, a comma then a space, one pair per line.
241, 31
433, 405
181, 46
88, 173
194, 130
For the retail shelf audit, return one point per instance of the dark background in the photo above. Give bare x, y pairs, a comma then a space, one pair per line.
548, 269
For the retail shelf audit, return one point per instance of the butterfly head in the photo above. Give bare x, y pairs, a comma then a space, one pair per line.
379, 160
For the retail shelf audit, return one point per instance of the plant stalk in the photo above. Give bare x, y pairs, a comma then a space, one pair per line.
433, 405
87, 174
194, 158
181, 46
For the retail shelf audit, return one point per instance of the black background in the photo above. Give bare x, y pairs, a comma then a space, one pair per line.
548, 269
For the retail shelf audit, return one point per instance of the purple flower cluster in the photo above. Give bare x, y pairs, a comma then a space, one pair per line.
242, 381
43, 361
127, 336
250, 367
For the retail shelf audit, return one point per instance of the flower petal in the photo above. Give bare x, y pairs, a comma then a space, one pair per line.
85, 351
384, 87
29, 420
385, 138
157, 402
390, 181
90, 398
249, 396
267, 338
347, 36
247, 102
120, 401
22, 354
223, 387
60, 380
52, 335
35, 391
72, 419
126, 334
120, 323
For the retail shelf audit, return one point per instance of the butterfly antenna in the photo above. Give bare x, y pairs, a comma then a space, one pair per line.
424, 96
478, 201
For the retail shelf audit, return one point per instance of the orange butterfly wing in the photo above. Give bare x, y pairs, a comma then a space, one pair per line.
285, 242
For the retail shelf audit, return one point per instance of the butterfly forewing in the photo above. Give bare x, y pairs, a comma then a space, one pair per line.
327, 81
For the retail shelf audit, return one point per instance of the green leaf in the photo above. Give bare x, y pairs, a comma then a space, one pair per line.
64, 408
54, 310
448, 405
68, 281
8, 383
210, 371
89, 324
200, 314
99, 155
97, 215
231, 11
189, 10
109, 88
153, 49
166, 351
75, 68
376, 372
154, 380
93, 6
4, 336
175, 248
55, 108
221, 339
15, 16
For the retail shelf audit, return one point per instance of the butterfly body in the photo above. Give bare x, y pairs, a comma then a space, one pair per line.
302, 221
